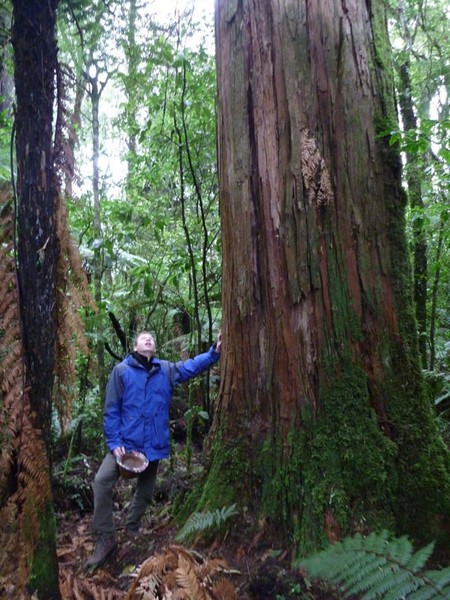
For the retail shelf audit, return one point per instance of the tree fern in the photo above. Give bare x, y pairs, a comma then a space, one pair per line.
201, 521
379, 568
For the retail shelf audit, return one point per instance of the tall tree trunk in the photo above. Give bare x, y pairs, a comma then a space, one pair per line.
420, 265
434, 291
205, 245
193, 276
132, 55
35, 59
322, 420
95, 94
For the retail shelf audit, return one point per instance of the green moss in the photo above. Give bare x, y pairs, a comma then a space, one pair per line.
228, 469
339, 465
422, 502
44, 565
184, 505
423, 463
383, 51
282, 485
350, 458
229, 466
339, 473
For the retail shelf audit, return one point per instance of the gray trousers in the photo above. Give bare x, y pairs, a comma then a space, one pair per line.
104, 483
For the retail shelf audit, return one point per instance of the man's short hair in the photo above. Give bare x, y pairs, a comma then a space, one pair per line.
138, 335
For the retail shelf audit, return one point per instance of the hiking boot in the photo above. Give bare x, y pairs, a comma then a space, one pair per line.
132, 531
106, 544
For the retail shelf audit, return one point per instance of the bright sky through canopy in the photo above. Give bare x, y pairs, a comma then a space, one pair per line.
167, 8
111, 162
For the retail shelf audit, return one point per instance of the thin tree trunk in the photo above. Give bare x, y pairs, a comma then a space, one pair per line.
205, 245
131, 53
187, 234
420, 264
434, 294
95, 94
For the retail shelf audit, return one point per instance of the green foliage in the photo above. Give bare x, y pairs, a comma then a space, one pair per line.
73, 484
159, 247
419, 37
5, 146
159, 257
228, 466
194, 414
211, 521
379, 567
439, 386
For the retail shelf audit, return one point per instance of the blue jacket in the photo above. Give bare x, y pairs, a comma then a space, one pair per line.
136, 413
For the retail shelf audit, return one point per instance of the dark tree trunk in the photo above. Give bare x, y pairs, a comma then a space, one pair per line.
35, 60
322, 420
35, 63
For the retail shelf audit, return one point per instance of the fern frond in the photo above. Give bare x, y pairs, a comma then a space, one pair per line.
179, 573
369, 579
209, 567
202, 521
423, 593
369, 570
397, 581
187, 579
400, 550
379, 567
441, 579
379, 541
419, 558
224, 590
148, 587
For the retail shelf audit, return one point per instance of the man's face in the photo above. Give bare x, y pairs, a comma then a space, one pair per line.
145, 344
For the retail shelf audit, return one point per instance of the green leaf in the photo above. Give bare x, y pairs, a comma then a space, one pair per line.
445, 154
148, 287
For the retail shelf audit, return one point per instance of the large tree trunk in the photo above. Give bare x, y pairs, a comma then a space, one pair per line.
35, 59
322, 421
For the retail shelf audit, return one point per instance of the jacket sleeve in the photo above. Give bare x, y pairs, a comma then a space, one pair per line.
112, 409
185, 369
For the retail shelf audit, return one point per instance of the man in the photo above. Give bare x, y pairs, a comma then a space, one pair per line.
136, 418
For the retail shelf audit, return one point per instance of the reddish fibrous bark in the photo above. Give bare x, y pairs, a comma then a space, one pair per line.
303, 191
316, 279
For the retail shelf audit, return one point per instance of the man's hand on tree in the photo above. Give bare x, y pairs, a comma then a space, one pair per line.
219, 341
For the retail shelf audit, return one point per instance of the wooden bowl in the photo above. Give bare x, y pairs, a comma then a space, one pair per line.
131, 464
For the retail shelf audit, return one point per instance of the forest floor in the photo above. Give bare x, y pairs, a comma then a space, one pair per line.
250, 568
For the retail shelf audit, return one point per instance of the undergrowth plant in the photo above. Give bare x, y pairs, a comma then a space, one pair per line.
201, 521
380, 568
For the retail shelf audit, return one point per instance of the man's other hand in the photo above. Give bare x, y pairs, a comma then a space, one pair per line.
119, 451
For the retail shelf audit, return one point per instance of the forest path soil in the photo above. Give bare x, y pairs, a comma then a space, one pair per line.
255, 569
